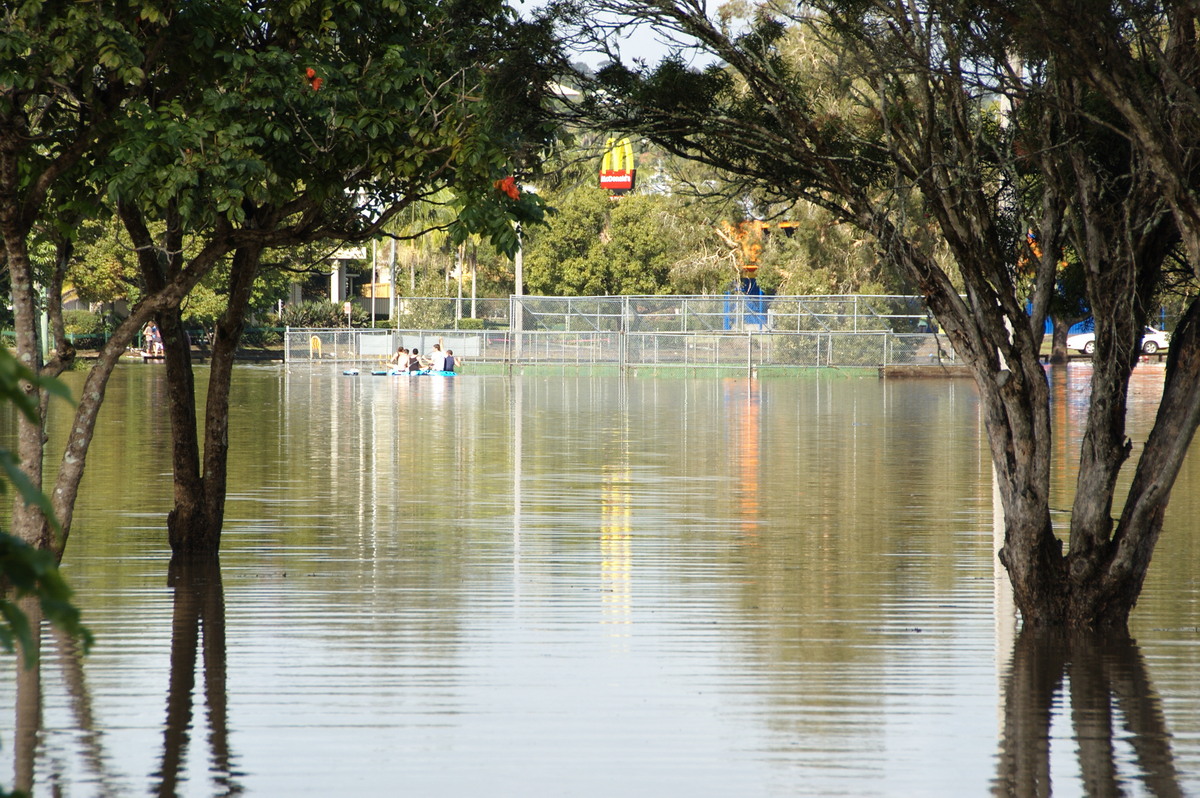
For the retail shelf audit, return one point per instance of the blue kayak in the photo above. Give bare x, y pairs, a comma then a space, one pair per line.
397, 373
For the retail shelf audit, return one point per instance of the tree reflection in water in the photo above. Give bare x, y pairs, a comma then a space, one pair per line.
29, 705
199, 613
29, 725
1105, 680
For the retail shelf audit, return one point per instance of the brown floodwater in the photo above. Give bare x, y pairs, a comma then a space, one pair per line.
594, 586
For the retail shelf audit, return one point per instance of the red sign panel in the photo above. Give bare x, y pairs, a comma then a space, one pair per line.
618, 180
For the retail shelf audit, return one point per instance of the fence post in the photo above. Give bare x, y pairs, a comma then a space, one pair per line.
517, 326
749, 354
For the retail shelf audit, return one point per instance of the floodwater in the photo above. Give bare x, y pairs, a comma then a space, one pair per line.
578, 586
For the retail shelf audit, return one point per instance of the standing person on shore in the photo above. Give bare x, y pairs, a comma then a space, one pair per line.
153, 341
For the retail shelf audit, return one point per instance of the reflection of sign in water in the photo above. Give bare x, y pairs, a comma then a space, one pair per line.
616, 168
616, 556
742, 403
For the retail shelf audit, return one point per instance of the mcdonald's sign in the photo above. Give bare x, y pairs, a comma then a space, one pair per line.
616, 168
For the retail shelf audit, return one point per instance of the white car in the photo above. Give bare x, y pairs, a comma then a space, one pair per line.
1153, 339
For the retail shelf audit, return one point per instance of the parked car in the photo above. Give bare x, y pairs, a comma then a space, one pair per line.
1153, 339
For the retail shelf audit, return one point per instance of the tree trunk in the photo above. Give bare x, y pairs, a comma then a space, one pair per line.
31, 163
79, 440
64, 351
1096, 582
187, 521
27, 521
1058, 343
194, 525
190, 524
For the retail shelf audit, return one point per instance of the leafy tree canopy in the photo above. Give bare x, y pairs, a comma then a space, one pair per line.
242, 127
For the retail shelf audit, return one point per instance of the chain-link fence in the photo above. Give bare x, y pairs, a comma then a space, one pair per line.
733, 312
689, 314
448, 313
365, 346
649, 313
785, 350
695, 332
740, 351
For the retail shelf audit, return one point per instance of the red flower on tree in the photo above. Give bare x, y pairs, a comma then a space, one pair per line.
508, 186
313, 81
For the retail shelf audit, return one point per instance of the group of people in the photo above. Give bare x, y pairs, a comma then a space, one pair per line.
152, 343
438, 360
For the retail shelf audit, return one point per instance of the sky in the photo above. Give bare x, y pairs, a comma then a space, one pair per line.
641, 43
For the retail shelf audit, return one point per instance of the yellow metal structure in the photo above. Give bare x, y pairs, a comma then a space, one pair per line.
747, 236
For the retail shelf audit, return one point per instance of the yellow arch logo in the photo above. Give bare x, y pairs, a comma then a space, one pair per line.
617, 172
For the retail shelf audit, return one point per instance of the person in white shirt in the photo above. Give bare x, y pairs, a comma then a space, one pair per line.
437, 360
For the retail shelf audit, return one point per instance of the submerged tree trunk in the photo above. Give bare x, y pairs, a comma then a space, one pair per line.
28, 523
79, 440
190, 524
188, 518
194, 525
1122, 231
